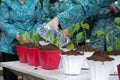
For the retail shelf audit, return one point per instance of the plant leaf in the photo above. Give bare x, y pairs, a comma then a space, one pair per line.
117, 43
100, 32
76, 28
117, 20
21, 38
70, 46
86, 26
79, 36
109, 49
31, 34
70, 32
118, 27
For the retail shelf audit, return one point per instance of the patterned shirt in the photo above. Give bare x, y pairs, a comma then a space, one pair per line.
72, 11
15, 18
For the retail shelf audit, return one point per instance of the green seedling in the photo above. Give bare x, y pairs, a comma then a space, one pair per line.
75, 29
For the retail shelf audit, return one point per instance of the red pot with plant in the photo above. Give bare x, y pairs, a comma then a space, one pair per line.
118, 67
32, 50
49, 59
21, 50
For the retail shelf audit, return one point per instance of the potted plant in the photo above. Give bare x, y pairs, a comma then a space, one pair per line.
21, 49
100, 66
73, 57
49, 54
32, 49
113, 49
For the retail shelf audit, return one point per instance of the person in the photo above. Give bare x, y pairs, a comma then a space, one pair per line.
63, 15
77, 13
16, 17
52, 8
106, 24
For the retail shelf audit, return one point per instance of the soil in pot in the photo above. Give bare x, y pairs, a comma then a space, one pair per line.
100, 56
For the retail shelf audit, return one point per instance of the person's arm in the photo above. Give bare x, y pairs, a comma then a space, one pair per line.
79, 12
10, 30
46, 12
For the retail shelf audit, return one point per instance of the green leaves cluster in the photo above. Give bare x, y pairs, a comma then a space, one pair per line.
107, 35
34, 37
55, 41
24, 36
74, 28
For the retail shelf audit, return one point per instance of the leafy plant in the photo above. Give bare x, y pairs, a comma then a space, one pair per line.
24, 36
117, 41
75, 29
55, 41
106, 35
34, 38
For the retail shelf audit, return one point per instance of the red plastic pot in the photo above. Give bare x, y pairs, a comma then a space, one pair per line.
21, 50
118, 67
32, 57
49, 59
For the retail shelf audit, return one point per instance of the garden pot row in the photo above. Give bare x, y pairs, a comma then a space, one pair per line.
35, 57
71, 63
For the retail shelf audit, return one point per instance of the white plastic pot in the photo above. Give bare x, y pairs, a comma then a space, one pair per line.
72, 64
85, 64
99, 70
116, 62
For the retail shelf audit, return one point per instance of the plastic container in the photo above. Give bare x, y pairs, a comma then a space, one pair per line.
116, 62
118, 67
45, 28
72, 64
100, 70
49, 59
21, 50
32, 57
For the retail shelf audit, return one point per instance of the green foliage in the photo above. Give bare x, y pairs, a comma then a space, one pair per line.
110, 48
79, 36
100, 32
117, 20
107, 36
70, 46
34, 37
117, 43
85, 26
24, 36
74, 28
55, 41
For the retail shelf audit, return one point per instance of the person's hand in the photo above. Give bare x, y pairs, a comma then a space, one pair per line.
54, 23
64, 32
24, 41
113, 9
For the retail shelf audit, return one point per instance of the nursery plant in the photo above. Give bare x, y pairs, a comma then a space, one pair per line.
114, 46
73, 55
31, 48
49, 55
75, 29
21, 49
